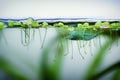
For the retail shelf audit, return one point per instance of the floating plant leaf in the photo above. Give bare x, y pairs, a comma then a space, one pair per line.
11, 23
29, 22
60, 24
23, 25
98, 24
35, 24
17, 23
45, 24
79, 25
106, 24
115, 25
86, 24
2, 25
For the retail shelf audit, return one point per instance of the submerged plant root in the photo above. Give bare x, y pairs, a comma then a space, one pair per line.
72, 49
44, 38
67, 48
79, 50
25, 37
40, 36
3, 35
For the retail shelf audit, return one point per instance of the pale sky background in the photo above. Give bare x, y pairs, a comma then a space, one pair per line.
60, 8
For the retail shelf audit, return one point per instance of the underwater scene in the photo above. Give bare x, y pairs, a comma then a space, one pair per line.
59, 49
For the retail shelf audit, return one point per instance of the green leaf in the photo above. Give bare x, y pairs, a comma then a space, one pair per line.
22, 25
11, 23
35, 24
86, 24
106, 24
45, 24
29, 21
98, 24
60, 24
2, 25
79, 25
18, 23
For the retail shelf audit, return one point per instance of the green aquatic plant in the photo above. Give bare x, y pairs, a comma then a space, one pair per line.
11, 23
86, 25
22, 25
29, 22
65, 26
115, 25
35, 24
98, 24
45, 24
106, 24
2, 25
59, 24
17, 24
79, 25
26, 36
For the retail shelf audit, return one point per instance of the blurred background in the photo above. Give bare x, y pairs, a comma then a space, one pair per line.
59, 8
